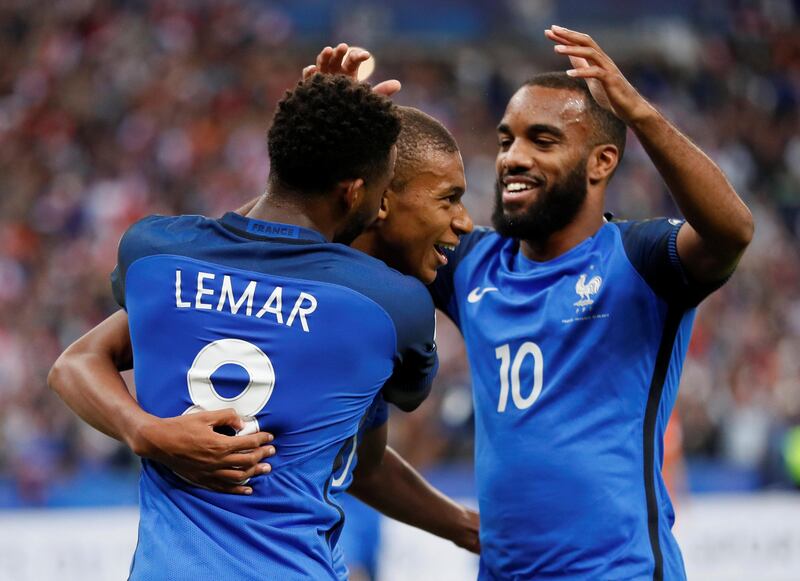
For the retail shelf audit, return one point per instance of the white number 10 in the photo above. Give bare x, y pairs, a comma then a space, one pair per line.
503, 353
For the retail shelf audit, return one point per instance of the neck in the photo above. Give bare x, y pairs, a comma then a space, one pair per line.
277, 207
368, 243
585, 224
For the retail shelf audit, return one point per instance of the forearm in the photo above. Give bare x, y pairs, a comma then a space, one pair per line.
398, 491
700, 189
93, 388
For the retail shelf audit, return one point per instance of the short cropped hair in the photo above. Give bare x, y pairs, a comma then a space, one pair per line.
330, 128
608, 128
420, 135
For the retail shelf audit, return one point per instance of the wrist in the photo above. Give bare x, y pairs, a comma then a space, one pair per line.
465, 531
642, 116
138, 432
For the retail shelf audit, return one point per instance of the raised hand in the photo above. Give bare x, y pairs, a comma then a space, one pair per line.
343, 60
608, 85
189, 446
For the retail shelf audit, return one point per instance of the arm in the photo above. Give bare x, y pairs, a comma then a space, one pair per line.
87, 377
391, 486
719, 225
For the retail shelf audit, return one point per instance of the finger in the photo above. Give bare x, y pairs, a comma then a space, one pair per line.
246, 460
593, 72
309, 71
387, 88
574, 36
229, 488
232, 477
226, 417
578, 62
556, 38
323, 58
353, 60
234, 444
588, 53
335, 66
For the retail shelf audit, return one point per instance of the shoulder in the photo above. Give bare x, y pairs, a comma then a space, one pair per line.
157, 228
480, 237
651, 247
401, 296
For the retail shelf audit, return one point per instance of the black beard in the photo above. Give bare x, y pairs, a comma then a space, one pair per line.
354, 228
556, 207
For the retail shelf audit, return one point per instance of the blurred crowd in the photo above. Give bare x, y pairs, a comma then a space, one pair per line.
111, 110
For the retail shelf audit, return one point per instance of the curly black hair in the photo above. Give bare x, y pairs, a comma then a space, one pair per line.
330, 128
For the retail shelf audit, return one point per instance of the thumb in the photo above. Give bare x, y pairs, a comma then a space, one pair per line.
387, 88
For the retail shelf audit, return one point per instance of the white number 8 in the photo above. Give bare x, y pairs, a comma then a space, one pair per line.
254, 396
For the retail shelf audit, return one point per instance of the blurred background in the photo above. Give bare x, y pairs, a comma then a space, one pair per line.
114, 109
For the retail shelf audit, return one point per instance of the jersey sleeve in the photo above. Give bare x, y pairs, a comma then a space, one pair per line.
138, 241
416, 360
651, 246
443, 288
376, 415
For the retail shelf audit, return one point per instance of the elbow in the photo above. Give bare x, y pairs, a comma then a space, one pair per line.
747, 229
55, 378
63, 370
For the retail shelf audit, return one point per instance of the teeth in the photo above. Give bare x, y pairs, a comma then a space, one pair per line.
450, 247
517, 187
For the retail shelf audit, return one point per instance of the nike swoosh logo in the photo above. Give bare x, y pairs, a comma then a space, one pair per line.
477, 293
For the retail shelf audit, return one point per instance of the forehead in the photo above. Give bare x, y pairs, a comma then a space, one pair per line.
532, 105
445, 169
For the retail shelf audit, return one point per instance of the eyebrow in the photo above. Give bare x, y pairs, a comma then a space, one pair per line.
454, 191
534, 129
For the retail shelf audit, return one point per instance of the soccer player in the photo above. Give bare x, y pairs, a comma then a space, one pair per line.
312, 330
577, 327
425, 195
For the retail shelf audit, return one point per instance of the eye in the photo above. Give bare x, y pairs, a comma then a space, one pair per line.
504, 143
544, 143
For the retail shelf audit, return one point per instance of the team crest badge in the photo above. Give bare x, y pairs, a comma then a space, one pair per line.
586, 290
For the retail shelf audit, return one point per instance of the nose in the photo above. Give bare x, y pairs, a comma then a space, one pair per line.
462, 222
516, 157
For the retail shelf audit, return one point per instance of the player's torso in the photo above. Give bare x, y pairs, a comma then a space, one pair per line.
561, 355
281, 347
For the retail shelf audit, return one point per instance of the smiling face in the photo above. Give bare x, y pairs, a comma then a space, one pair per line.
424, 217
543, 142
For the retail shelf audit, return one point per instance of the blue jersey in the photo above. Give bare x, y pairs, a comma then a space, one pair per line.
575, 366
377, 415
299, 336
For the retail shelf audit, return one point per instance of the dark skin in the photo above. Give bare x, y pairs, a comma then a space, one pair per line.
418, 215
87, 374
544, 130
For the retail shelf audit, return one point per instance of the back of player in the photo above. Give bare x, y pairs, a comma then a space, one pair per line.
297, 334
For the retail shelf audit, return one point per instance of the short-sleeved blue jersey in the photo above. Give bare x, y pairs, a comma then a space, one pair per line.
575, 366
297, 334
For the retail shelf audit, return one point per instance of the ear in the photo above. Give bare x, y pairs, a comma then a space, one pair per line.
351, 192
602, 162
386, 202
